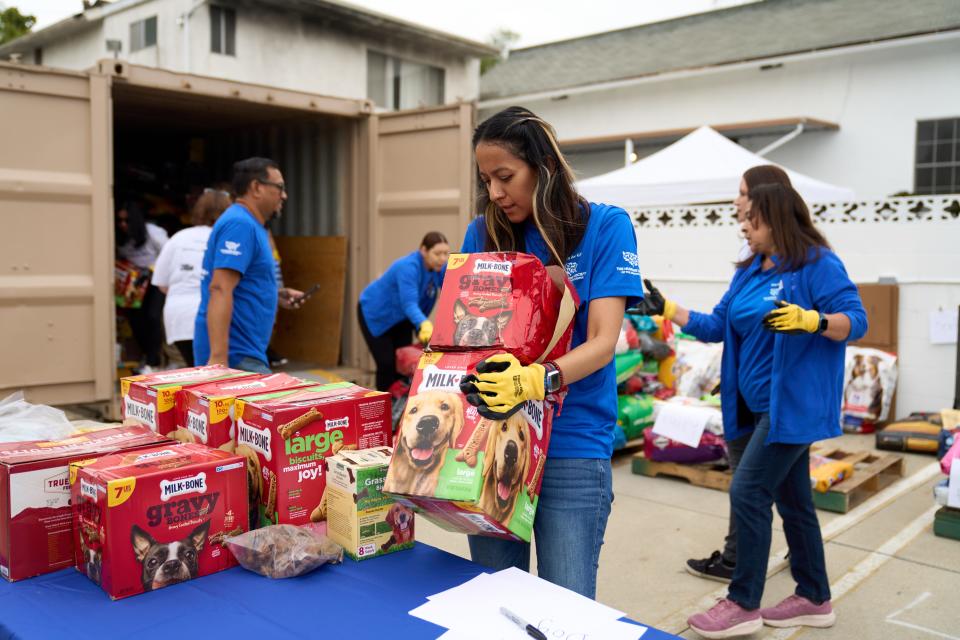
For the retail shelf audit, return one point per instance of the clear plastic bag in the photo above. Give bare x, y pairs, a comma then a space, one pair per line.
22, 421
283, 550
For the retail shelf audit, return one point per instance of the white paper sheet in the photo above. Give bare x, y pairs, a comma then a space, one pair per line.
953, 494
681, 423
943, 326
611, 630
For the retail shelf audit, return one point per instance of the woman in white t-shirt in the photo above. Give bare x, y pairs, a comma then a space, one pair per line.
179, 270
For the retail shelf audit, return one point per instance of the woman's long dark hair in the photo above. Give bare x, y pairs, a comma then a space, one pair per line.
136, 225
796, 240
558, 212
765, 174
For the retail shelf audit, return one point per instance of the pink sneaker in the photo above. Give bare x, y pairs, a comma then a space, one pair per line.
726, 619
797, 611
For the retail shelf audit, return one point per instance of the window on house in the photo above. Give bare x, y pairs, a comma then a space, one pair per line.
394, 83
938, 157
143, 33
223, 30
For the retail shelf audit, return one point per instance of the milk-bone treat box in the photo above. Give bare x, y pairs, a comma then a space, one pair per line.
35, 520
507, 301
156, 517
205, 412
465, 472
151, 399
286, 440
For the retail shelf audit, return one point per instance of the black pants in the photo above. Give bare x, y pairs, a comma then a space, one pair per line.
384, 348
147, 325
185, 347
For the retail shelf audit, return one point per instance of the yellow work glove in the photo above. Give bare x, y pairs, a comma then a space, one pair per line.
502, 385
425, 331
654, 304
792, 319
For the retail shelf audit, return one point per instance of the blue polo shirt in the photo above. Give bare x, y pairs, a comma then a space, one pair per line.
239, 242
407, 291
603, 265
754, 301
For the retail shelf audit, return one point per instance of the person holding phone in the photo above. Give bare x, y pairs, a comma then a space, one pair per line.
396, 304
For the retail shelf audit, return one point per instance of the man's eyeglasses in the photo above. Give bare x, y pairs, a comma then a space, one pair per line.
278, 185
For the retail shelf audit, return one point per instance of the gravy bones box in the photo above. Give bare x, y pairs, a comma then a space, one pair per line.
150, 399
36, 530
152, 518
205, 412
286, 440
483, 475
507, 301
360, 518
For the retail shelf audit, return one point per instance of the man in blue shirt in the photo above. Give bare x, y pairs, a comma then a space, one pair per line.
239, 290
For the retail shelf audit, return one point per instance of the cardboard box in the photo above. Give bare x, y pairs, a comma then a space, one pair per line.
36, 530
286, 439
487, 471
506, 301
205, 412
360, 518
150, 399
156, 517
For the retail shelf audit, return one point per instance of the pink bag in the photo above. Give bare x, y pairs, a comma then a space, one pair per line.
952, 454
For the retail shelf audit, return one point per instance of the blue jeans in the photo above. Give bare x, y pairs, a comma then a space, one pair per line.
246, 363
571, 518
778, 474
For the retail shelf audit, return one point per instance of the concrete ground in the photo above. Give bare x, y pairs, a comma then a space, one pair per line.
890, 576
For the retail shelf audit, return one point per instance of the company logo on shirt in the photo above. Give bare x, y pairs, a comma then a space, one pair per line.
186, 267
230, 248
775, 290
631, 258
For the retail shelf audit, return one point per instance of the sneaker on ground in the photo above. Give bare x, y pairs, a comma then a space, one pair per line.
726, 619
797, 611
712, 568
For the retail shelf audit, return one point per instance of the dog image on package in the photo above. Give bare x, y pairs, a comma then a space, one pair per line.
869, 382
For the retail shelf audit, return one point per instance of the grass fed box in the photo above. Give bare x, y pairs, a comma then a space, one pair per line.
507, 301
287, 437
149, 519
35, 520
487, 472
205, 412
360, 518
150, 399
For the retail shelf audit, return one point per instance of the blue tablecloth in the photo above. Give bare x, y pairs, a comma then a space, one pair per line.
335, 601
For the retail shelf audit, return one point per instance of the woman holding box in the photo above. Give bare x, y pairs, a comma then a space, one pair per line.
784, 323
398, 302
529, 204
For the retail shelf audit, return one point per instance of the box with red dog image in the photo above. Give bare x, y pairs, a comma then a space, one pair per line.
152, 518
205, 412
462, 470
507, 301
286, 439
36, 526
150, 399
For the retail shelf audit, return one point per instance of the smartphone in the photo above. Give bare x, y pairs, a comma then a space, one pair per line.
306, 294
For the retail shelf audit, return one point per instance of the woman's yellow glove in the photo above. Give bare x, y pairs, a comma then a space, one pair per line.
425, 332
792, 319
502, 385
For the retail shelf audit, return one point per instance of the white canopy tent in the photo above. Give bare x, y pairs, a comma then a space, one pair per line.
703, 166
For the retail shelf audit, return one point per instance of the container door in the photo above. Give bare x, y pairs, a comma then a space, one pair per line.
56, 249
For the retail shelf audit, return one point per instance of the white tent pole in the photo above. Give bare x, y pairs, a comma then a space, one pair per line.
627, 152
779, 142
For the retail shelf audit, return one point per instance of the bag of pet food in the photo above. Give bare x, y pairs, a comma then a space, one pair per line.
697, 367
826, 472
662, 449
507, 301
870, 378
283, 550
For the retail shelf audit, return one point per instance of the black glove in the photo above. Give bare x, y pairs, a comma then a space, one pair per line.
653, 302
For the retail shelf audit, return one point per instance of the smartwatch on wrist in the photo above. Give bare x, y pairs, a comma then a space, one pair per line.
823, 324
552, 378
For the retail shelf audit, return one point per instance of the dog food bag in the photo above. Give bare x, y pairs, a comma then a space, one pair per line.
36, 528
869, 380
283, 550
151, 399
487, 473
360, 518
152, 518
826, 472
286, 438
507, 301
205, 412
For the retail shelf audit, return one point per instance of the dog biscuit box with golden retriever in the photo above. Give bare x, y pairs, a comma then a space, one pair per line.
36, 525
507, 301
205, 412
484, 475
286, 439
152, 518
360, 517
150, 399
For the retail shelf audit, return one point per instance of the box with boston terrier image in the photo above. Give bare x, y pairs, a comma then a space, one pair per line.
487, 473
360, 518
152, 518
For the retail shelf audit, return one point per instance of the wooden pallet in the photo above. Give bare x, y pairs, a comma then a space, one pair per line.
711, 476
632, 446
872, 472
